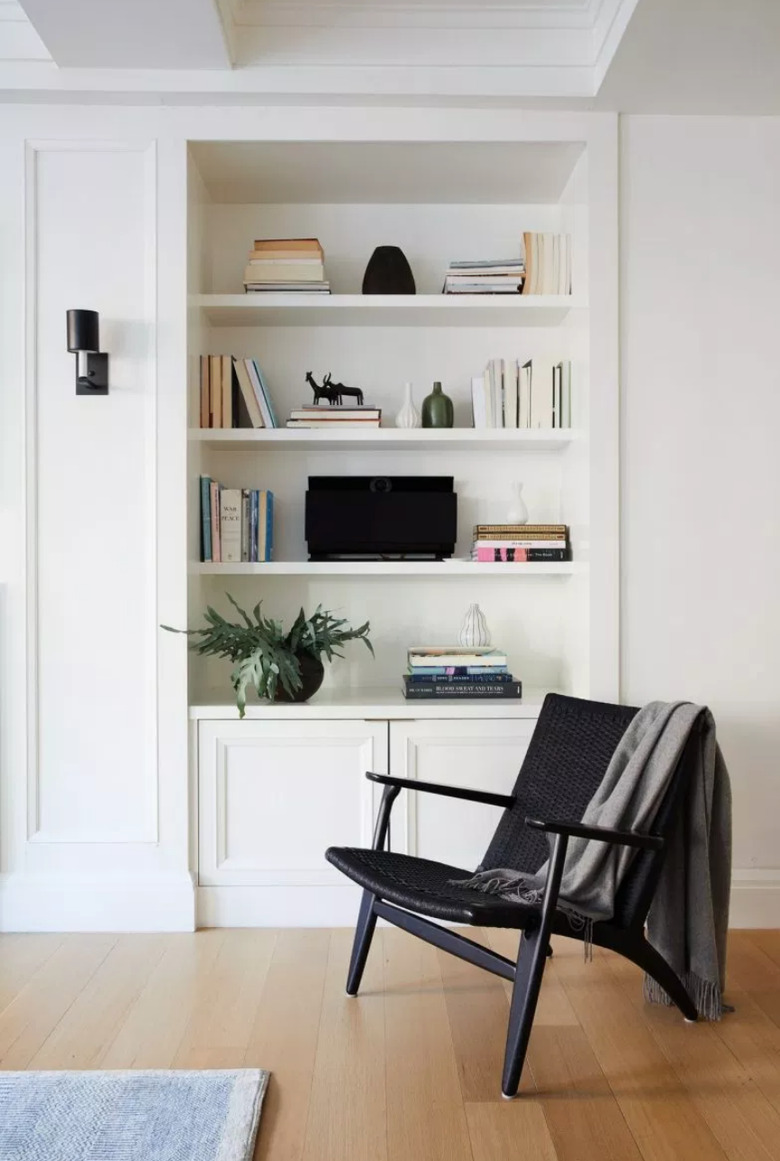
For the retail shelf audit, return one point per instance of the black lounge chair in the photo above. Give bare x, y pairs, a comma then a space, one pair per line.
570, 749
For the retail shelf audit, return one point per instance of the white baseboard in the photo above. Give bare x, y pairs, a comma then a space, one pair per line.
80, 903
320, 906
755, 899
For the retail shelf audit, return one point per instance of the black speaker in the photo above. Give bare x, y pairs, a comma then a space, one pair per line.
371, 517
388, 272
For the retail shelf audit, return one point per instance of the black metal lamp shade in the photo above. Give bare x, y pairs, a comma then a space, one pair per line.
83, 328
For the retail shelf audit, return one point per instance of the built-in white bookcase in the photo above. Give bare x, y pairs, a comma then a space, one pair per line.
438, 201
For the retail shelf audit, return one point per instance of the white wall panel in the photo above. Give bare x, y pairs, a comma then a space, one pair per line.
91, 230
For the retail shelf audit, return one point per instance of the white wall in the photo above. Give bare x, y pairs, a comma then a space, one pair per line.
700, 255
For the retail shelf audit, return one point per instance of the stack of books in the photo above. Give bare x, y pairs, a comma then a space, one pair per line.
493, 276
279, 265
547, 263
233, 393
512, 393
521, 543
438, 672
318, 416
237, 524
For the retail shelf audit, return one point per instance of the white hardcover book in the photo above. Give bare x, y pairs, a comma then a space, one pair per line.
230, 525
478, 402
487, 388
541, 396
510, 393
498, 393
526, 384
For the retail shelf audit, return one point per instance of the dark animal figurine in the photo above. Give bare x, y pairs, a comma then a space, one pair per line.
323, 392
340, 390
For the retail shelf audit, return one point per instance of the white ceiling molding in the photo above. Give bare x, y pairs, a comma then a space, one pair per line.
18, 39
380, 49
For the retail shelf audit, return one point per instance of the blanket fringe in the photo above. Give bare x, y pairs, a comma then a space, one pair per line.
706, 995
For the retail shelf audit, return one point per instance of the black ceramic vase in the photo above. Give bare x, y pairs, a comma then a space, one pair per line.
388, 272
312, 675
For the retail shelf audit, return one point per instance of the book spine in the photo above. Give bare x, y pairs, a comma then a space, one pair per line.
245, 517
520, 555
227, 391
455, 678
530, 542
215, 541
458, 670
215, 390
230, 525
205, 519
509, 689
447, 661
519, 529
269, 530
205, 402
253, 509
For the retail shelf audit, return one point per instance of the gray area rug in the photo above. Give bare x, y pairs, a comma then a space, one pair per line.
130, 1116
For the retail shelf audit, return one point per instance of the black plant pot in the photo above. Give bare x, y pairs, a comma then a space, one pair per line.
388, 272
312, 675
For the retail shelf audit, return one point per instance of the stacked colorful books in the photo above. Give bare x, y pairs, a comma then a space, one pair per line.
521, 543
294, 265
437, 672
334, 418
490, 276
237, 524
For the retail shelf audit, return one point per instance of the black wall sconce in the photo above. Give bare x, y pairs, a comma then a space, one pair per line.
84, 342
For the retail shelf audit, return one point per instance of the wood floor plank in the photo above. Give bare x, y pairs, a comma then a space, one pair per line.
347, 1111
755, 1041
155, 1025
478, 1012
509, 1131
661, 1116
20, 957
751, 969
767, 941
284, 1040
425, 1115
30, 1018
743, 1121
94, 1018
223, 1017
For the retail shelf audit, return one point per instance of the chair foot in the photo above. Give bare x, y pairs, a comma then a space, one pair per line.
364, 933
687, 1021
506, 1096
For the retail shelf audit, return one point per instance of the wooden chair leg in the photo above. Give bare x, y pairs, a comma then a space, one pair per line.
525, 994
364, 933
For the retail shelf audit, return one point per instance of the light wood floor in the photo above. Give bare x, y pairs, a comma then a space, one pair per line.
410, 1070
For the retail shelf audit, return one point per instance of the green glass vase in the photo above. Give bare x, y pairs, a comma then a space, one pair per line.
437, 409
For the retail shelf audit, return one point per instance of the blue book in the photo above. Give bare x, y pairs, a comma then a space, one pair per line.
269, 526
459, 670
266, 393
253, 514
205, 519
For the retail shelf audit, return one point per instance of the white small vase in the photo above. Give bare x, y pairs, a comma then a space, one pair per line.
408, 416
517, 513
474, 630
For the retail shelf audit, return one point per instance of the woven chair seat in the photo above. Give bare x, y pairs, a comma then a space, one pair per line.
425, 887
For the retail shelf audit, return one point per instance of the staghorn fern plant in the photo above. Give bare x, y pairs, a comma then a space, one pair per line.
263, 654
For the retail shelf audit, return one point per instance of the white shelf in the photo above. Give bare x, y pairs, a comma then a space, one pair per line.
392, 438
386, 702
398, 310
405, 568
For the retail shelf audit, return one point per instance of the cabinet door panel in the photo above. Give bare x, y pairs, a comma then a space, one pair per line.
274, 795
486, 754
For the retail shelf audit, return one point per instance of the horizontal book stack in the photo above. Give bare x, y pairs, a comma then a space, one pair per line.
286, 265
547, 263
233, 393
436, 673
520, 543
237, 524
326, 418
512, 393
499, 276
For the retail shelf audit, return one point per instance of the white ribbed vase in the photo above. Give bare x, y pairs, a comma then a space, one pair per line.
408, 416
474, 630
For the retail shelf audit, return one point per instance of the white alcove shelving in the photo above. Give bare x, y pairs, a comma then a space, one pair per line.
439, 201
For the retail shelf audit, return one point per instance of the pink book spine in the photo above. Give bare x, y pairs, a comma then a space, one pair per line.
492, 554
216, 554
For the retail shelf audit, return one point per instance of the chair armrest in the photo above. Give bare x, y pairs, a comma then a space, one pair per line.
485, 796
625, 838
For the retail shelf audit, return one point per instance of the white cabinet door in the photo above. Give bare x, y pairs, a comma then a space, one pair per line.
486, 754
273, 795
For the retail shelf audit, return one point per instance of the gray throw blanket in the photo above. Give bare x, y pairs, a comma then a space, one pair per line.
688, 918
